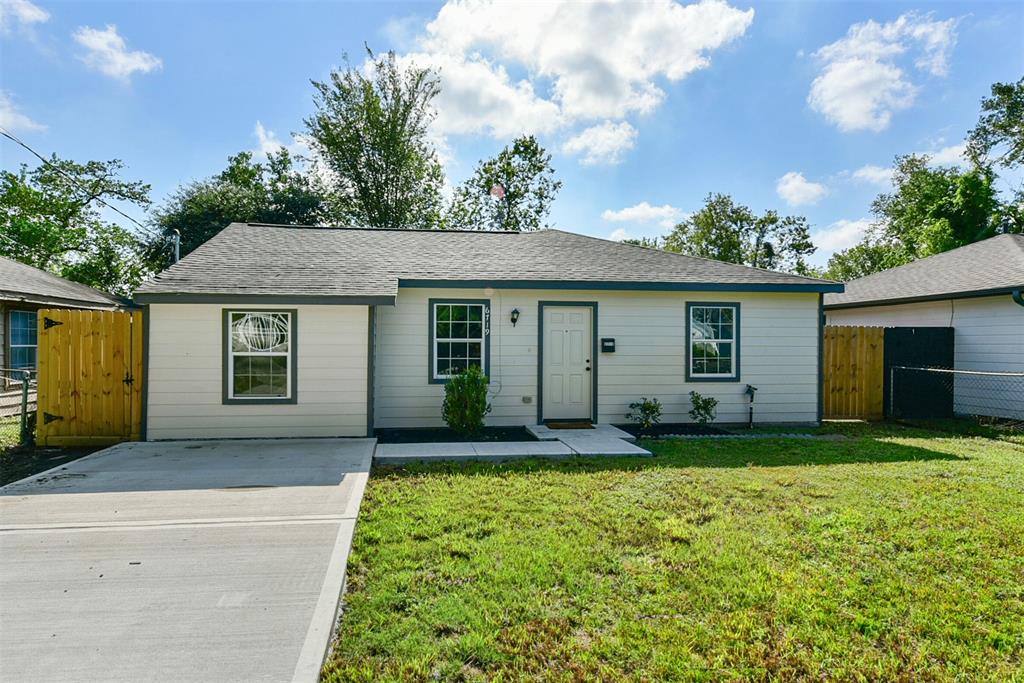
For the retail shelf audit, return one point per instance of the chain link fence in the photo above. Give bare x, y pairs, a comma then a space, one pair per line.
17, 407
919, 392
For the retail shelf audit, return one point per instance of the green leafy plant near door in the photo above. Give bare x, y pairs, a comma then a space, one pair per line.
646, 412
465, 401
703, 410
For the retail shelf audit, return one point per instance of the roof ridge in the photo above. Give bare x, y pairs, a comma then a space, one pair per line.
372, 229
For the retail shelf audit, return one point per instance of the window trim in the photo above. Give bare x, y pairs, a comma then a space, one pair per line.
9, 355
432, 378
735, 376
226, 359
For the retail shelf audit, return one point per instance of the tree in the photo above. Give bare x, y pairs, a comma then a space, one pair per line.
246, 191
648, 242
527, 187
370, 130
52, 220
731, 232
1000, 126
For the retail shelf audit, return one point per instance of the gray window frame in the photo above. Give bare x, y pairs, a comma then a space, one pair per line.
293, 358
432, 344
690, 305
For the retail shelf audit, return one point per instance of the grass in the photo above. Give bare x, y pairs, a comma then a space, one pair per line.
894, 554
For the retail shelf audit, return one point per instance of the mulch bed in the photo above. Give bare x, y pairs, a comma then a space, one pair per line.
669, 429
446, 435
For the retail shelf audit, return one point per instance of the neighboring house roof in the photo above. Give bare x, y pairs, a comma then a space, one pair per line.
992, 266
261, 262
19, 282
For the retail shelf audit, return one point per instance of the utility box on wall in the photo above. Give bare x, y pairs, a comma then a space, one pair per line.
607, 345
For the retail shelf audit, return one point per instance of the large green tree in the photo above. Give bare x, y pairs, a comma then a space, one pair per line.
998, 138
731, 232
52, 218
246, 191
370, 131
513, 191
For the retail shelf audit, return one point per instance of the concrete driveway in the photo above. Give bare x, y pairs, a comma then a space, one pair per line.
185, 561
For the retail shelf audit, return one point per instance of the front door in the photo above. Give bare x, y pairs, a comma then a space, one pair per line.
567, 371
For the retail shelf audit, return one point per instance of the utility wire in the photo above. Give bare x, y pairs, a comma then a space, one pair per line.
147, 230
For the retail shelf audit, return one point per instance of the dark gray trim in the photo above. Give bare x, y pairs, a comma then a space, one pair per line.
974, 294
541, 305
225, 359
738, 334
263, 299
371, 356
1018, 297
145, 373
821, 356
430, 335
627, 286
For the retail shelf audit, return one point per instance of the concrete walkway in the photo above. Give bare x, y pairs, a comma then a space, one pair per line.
604, 440
179, 561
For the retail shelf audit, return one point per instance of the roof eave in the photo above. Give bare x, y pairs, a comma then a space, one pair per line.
262, 299
970, 294
835, 287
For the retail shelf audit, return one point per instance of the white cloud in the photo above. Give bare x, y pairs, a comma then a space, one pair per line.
948, 156
107, 52
21, 12
268, 142
876, 175
513, 68
603, 144
862, 85
665, 215
842, 234
798, 191
14, 120
619, 234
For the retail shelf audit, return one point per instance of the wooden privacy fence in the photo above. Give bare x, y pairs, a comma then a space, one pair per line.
90, 377
854, 377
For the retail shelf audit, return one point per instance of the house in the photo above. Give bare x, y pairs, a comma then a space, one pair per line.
23, 291
270, 330
979, 291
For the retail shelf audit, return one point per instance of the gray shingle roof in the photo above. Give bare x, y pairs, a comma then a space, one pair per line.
994, 265
337, 263
25, 283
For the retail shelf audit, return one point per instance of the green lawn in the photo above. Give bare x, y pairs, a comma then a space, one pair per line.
894, 554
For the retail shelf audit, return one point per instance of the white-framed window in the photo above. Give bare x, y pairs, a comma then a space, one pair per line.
260, 355
458, 337
713, 353
24, 338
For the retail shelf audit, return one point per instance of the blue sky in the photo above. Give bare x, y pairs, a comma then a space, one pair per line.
647, 108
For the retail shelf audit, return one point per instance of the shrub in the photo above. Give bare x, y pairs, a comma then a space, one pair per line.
703, 410
646, 412
465, 401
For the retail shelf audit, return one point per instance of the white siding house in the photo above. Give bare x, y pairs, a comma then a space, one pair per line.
344, 331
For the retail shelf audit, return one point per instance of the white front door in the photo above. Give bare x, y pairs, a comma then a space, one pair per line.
567, 371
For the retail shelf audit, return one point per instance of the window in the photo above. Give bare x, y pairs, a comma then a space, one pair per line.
458, 337
713, 353
260, 356
23, 340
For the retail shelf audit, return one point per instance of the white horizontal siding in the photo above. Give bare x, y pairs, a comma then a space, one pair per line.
778, 349
988, 335
185, 376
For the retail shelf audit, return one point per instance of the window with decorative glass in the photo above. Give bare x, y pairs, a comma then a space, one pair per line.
260, 355
24, 340
713, 341
458, 338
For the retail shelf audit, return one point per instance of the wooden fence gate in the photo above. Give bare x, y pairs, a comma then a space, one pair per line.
854, 377
90, 377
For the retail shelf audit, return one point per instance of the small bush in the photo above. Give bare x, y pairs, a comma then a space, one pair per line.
646, 412
465, 401
703, 410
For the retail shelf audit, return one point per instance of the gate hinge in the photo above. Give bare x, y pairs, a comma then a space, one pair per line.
48, 418
50, 322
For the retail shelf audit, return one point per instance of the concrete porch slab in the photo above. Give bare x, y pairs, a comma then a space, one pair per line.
604, 446
493, 451
545, 433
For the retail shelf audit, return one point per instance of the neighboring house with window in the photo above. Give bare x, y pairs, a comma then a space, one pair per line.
23, 291
300, 331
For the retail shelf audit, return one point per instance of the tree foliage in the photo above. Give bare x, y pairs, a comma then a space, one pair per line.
524, 173
998, 138
51, 218
370, 130
731, 232
246, 191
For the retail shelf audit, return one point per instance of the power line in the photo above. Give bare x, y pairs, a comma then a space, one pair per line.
149, 231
